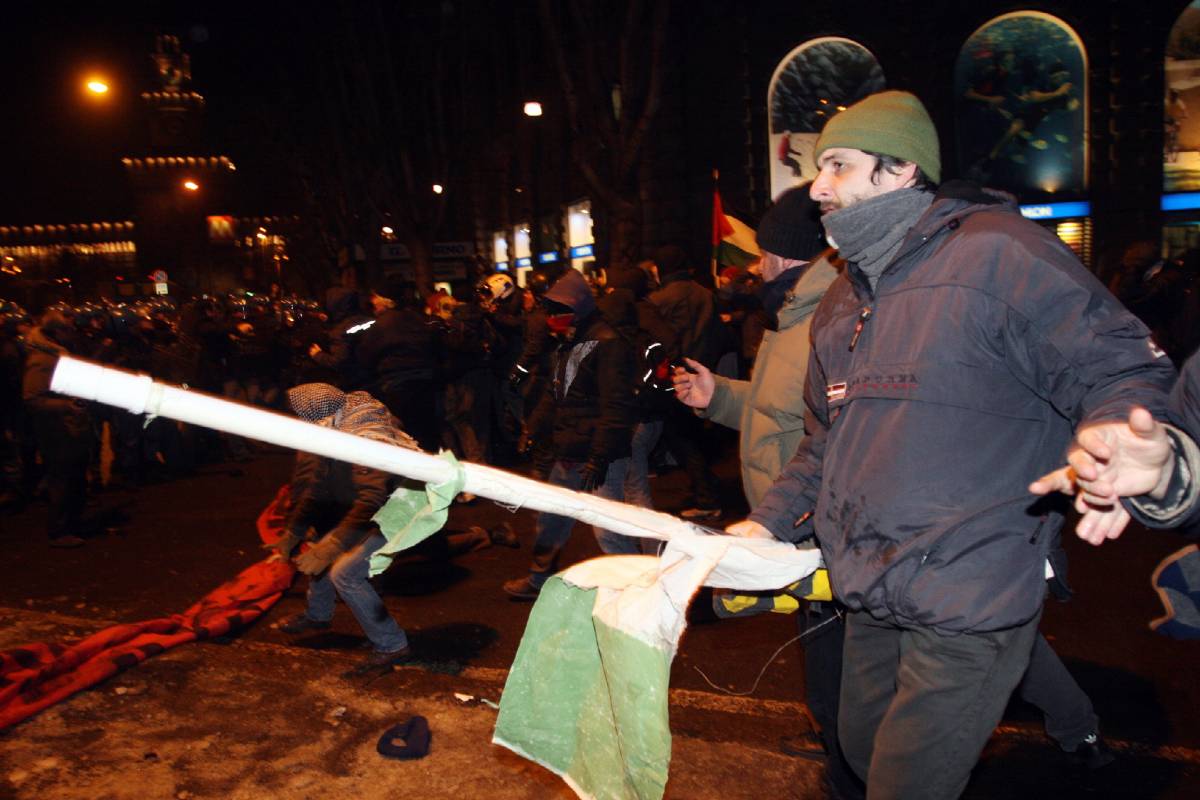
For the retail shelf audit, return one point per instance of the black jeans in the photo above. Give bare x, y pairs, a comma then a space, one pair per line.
1067, 709
822, 649
682, 434
917, 706
64, 437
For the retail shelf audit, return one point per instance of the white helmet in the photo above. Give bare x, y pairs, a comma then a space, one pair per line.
499, 286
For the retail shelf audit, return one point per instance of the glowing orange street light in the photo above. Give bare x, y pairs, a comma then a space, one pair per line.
191, 185
533, 109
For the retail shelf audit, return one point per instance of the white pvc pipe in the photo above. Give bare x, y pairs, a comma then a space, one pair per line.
140, 394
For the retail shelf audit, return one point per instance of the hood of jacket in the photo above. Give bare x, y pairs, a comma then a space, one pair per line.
573, 291
804, 296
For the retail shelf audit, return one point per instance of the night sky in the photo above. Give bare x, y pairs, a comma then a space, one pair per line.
62, 149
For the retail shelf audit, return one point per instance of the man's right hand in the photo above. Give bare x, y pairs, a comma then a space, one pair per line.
694, 387
749, 529
1111, 460
281, 549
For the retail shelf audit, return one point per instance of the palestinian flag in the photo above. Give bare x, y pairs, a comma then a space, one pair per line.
588, 693
733, 241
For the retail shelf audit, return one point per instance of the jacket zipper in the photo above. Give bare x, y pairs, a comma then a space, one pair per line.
863, 316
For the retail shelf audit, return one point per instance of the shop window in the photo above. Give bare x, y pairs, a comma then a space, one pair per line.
580, 242
500, 250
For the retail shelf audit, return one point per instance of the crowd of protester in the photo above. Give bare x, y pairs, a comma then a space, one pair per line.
583, 379
463, 374
460, 373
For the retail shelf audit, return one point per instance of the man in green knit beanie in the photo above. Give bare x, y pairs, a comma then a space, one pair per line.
955, 355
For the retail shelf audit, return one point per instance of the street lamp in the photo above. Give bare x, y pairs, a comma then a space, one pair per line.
190, 185
97, 86
533, 109
438, 188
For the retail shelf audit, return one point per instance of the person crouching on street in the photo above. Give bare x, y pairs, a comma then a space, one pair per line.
332, 503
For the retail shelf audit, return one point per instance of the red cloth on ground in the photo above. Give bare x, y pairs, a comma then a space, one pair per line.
35, 676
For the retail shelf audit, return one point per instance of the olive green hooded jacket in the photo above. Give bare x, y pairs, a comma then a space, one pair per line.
768, 409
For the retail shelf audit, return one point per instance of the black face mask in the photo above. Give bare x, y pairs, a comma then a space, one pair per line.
773, 294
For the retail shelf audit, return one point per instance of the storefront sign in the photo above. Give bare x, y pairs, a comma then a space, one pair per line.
583, 251
1057, 210
1184, 201
524, 262
393, 251
442, 271
549, 257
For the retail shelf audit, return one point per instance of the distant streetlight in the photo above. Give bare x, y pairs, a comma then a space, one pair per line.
387, 230
97, 86
533, 108
191, 185
438, 188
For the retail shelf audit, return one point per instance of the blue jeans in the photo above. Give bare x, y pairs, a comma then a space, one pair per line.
637, 478
553, 530
348, 578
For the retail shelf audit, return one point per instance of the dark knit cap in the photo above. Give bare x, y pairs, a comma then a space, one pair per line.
631, 278
890, 123
572, 290
394, 288
671, 259
792, 227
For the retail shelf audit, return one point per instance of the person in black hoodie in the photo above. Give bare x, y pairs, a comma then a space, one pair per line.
589, 413
655, 347
400, 353
348, 325
690, 309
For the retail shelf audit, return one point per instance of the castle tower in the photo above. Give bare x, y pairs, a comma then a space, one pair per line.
177, 185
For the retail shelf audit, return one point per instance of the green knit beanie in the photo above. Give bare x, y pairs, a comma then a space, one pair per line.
890, 123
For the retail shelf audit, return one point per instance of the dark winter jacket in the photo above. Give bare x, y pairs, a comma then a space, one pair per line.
470, 340
334, 496
690, 309
935, 400
654, 344
337, 497
403, 344
590, 408
1181, 508
347, 327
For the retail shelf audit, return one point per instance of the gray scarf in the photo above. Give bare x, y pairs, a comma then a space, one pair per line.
869, 234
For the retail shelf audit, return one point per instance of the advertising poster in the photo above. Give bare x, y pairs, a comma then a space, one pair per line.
1021, 106
1181, 106
811, 84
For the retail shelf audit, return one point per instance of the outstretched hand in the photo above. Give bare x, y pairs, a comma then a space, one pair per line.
694, 384
1111, 460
